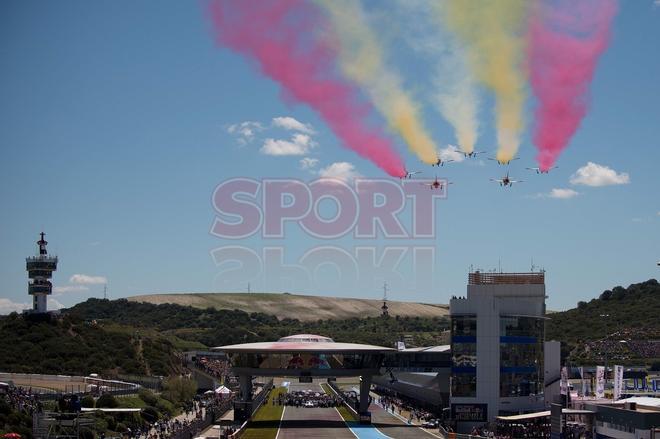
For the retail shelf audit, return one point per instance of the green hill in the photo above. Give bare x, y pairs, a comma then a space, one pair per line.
70, 345
621, 324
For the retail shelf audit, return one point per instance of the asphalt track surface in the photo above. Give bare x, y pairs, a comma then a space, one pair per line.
316, 422
395, 428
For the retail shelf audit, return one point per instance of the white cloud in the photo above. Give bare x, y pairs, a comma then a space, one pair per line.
54, 304
451, 153
300, 144
308, 163
340, 170
245, 131
656, 3
289, 123
70, 289
593, 174
563, 193
84, 279
8, 307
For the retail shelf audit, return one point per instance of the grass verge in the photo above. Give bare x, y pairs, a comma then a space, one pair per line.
266, 421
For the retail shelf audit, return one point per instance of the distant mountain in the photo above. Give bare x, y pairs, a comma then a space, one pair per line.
294, 306
621, 324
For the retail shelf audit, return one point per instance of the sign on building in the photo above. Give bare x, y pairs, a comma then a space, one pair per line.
469, 412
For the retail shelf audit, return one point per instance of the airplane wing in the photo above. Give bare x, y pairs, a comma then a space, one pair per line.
497, 180
533, 169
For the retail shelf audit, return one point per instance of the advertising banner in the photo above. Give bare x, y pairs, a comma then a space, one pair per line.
600, 382
583, 383
618, 382
564, 381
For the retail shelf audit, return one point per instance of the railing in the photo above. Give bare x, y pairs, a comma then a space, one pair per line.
200, 425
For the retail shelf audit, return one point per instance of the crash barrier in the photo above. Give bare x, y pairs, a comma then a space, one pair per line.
350, 403
261, 396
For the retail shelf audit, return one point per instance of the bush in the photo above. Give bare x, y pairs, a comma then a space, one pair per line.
87, 401
148, 396
107, 401
164, 406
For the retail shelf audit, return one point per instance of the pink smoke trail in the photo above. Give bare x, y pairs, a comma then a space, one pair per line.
278, 34
566, 37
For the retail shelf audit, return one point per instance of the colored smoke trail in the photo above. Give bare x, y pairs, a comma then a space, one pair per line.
362, 60
566, 40
493, 33
457, 98
278, 34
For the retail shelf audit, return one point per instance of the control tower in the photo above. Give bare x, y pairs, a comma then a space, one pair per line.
40, 270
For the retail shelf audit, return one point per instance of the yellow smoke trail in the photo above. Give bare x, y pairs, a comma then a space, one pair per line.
493, 31
362, 60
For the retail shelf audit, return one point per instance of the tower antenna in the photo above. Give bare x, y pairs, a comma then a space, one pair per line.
105, 292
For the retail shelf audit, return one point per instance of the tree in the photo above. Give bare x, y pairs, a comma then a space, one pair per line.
179, 389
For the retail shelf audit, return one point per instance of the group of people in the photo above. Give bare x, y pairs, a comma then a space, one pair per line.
626, 344
22, 400
214, 367
306, 399
403, 406
539, 428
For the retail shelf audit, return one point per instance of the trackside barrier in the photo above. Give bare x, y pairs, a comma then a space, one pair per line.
344, 399
258, 402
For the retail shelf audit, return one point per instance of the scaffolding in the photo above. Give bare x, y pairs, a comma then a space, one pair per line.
481, 278
51, 425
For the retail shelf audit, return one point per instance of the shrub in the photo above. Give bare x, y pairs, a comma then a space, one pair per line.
107, 401
147, 396
87, 401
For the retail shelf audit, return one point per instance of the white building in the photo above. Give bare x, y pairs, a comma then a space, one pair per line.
497, 338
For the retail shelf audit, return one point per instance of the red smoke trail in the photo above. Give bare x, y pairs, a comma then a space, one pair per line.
279, 35
566, 37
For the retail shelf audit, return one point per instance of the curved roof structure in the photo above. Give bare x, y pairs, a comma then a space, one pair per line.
302, 343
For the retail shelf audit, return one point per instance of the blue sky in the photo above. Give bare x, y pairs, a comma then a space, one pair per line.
114, 134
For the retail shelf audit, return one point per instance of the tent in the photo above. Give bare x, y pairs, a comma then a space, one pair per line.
222, 390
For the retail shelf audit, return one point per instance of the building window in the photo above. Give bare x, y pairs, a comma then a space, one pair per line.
464, 385
464, 355
464, 326
521, 356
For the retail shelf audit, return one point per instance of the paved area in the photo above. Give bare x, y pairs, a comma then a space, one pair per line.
316, 422
397, 428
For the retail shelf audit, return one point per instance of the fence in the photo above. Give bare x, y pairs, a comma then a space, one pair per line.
197, 426
78, 385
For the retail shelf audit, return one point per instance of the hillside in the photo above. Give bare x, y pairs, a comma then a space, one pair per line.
294, 306
621, 324
214, 327
70, 345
